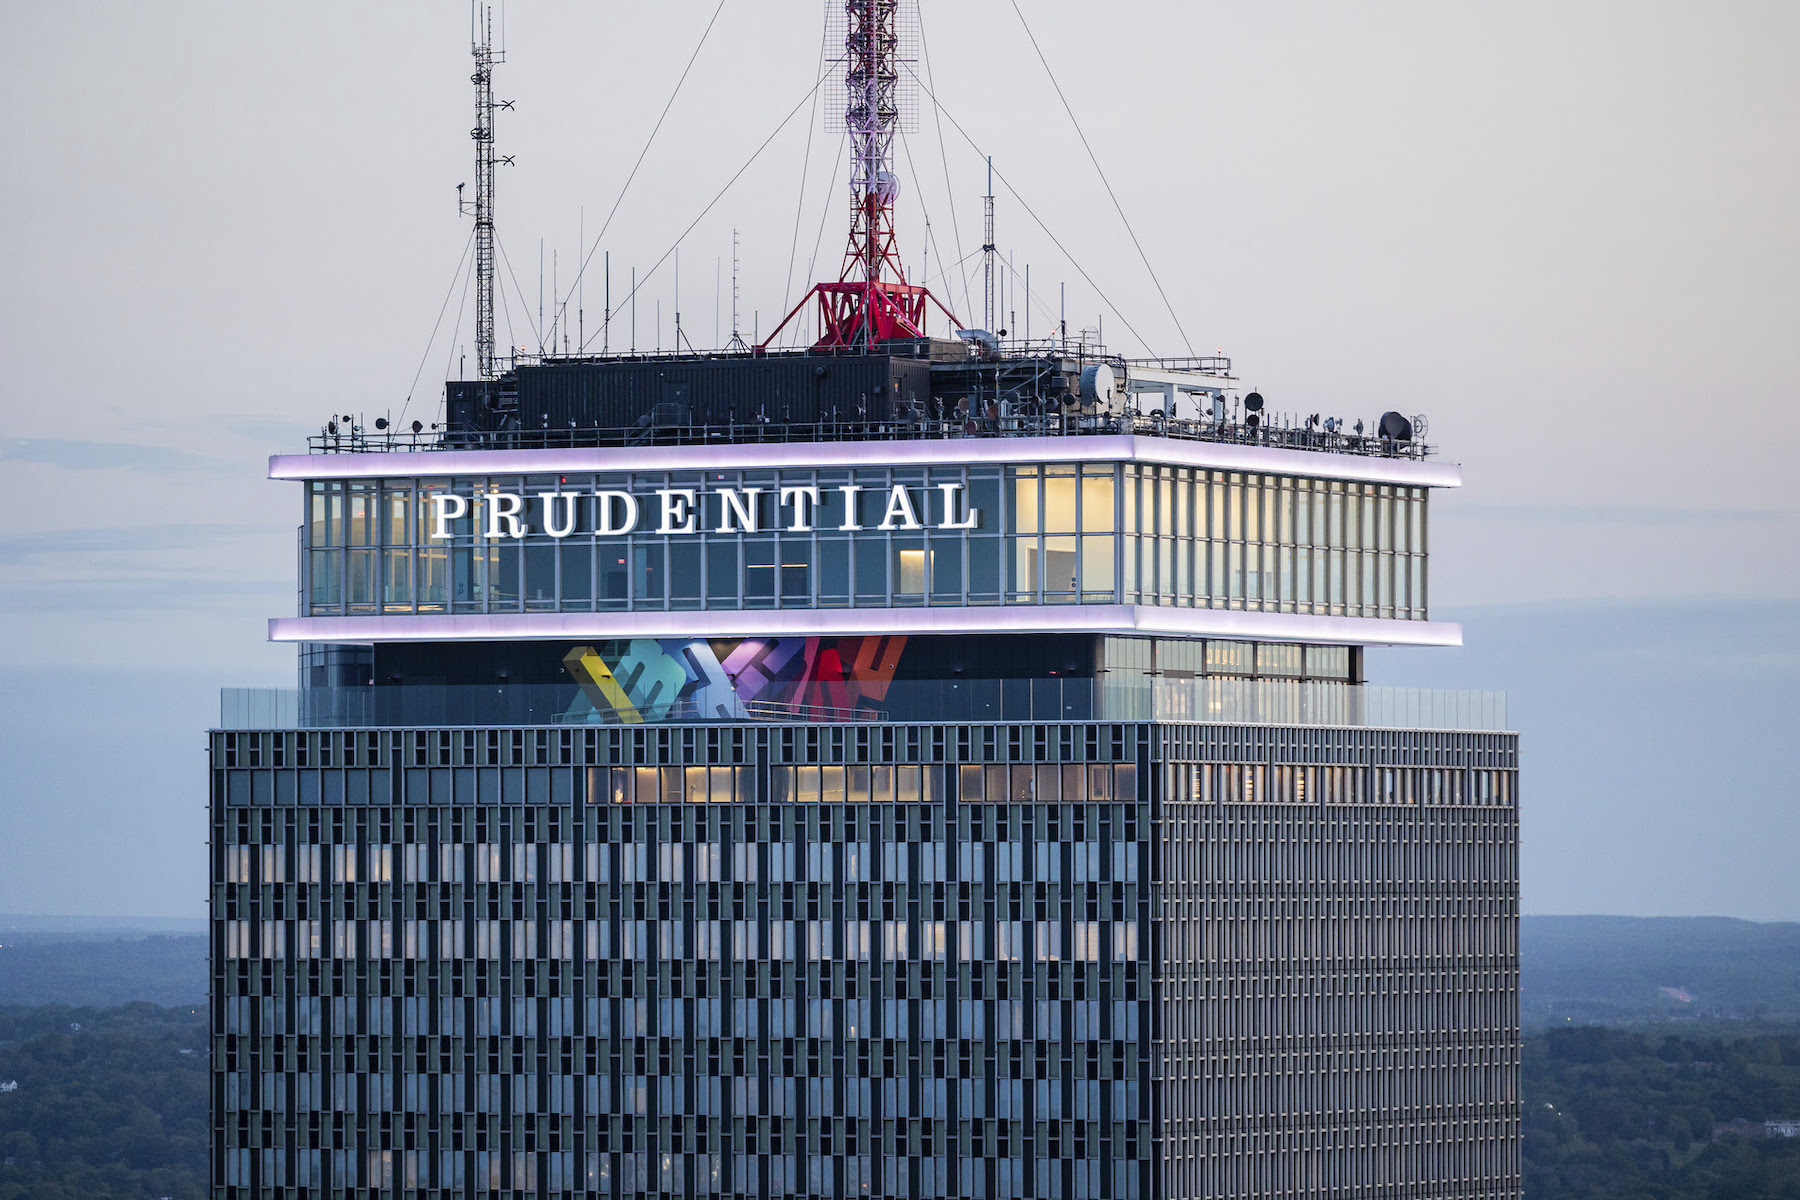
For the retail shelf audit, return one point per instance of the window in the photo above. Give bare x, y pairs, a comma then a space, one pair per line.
969, 940
237, 864
1125, 941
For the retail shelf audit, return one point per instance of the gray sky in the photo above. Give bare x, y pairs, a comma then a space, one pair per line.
1563, 231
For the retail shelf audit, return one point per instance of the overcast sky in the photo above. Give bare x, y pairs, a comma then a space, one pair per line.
1565, 232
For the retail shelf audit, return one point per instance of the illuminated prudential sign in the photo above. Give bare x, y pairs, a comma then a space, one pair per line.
681, 511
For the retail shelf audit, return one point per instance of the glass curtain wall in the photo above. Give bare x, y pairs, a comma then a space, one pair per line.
1044, 534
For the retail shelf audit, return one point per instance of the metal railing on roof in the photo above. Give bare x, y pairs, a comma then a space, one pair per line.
1300, 437
1203, 700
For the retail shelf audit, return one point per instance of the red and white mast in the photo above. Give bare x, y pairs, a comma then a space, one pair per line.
871, 301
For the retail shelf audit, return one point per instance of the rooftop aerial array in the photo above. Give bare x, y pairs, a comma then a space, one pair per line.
986, 381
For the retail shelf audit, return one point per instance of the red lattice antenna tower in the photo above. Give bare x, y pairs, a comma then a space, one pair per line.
871, 301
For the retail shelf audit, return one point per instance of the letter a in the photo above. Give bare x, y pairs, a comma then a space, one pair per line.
899, 505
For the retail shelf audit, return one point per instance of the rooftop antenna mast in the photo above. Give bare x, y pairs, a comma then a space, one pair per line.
486, 58
871, 301
737, 337
987, 251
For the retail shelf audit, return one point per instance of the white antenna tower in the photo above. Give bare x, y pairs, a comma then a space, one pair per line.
482, 46
987, 252
737, 337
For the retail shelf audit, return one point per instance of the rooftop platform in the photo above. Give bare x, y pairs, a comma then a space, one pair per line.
902, 392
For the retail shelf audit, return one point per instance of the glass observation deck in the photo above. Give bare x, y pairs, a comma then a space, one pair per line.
1200, 700
871, 537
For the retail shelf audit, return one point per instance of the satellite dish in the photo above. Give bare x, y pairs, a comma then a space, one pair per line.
1395, 427
418, 427
1358, 427
1420, 426
1252, 421
1253, 402
331, 427
1099, 386
381, 422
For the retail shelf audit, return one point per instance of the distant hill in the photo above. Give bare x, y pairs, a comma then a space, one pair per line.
106, 928
80, 969
1627, 970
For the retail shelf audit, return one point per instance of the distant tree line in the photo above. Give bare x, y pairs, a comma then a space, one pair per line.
108, 1105
169, 970
1619, 1114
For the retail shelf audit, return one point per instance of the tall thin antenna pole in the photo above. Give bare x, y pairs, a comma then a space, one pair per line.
541, 299
987, 253
925, 264
734, 285
1063, 319
1028, 303
606, 319
1012, 295
581, 285
634, 310
482, 46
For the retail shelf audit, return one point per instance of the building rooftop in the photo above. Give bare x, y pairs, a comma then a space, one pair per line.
925, 390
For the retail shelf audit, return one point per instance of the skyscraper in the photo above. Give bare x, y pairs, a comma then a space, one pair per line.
899, 767
913, 807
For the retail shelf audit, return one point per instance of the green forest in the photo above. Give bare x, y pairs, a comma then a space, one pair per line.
1618, 1114
111, 1102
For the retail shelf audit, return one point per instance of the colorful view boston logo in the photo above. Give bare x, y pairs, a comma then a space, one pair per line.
649, 680
684, 510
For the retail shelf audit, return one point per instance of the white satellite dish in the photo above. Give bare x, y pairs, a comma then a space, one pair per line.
1099, 386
